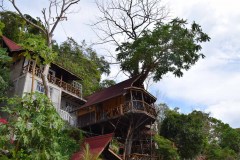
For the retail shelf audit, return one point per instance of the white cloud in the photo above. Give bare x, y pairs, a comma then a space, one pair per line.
227, 111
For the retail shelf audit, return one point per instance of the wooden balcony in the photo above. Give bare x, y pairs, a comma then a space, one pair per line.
131, 106
134, 106
54, 80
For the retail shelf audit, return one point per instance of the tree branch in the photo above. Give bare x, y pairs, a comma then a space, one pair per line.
33, 24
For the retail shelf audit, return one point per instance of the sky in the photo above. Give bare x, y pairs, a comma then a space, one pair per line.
212, 85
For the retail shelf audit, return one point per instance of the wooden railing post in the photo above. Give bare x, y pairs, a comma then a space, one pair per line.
121, 109
54, 80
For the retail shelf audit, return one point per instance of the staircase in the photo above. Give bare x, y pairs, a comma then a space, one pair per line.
66, 116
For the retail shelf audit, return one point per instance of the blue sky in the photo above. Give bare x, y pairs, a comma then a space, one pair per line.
212, 85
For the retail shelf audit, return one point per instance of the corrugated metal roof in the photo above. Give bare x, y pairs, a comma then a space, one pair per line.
11, 45
110, 92
96, 145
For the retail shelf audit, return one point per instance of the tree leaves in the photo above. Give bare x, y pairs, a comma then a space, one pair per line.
198, 134
170, 47
37, 128
84, 62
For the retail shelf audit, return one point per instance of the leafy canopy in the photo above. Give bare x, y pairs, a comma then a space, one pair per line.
36, 48
16, 28
186, 131
4, 67
37, 128
170, 47
84, 62
166, 148
196, 134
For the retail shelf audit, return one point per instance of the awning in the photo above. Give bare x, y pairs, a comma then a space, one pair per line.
96, 144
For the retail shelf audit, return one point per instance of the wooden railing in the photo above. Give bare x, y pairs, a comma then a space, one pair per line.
127, 107
66, 116
54, 80
130, 106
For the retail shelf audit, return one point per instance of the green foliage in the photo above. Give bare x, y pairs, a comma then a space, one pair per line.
84, 62
224, 136
37, 128
186, 131
37, 49
114, 146
170, 47
4, 72
166, 149
215, 152
16, 28
87, 155
1, 27
199, 134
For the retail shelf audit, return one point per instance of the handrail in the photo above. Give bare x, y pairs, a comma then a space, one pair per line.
66, 116
129, 106
54, 80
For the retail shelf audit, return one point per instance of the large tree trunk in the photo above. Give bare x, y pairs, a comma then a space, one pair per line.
45, 79
46, 70
128, 141
33, 75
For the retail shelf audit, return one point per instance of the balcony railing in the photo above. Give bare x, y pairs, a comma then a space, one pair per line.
130, 106
54, 80
127, 107
66, 116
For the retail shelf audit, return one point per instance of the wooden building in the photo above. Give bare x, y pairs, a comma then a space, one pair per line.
125, 109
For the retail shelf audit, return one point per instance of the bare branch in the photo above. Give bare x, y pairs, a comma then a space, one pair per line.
30, 22
127, 18
2, 5
65, 6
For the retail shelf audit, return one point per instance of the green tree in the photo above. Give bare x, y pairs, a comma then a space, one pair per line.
37, 129
166, 149
186, 131
84, 62
170, 47
215, 152
4, 68
16, 28
223, 135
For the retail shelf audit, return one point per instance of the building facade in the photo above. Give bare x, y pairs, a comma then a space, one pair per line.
65, 89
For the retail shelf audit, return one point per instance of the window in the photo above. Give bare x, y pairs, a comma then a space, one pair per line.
40, 87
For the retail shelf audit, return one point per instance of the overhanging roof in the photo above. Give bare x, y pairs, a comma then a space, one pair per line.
96, 144
114, 91
12, 46
110, 92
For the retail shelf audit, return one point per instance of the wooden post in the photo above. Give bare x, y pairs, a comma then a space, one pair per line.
33, 75
129, 141
61, 81
143, 102
131, 100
